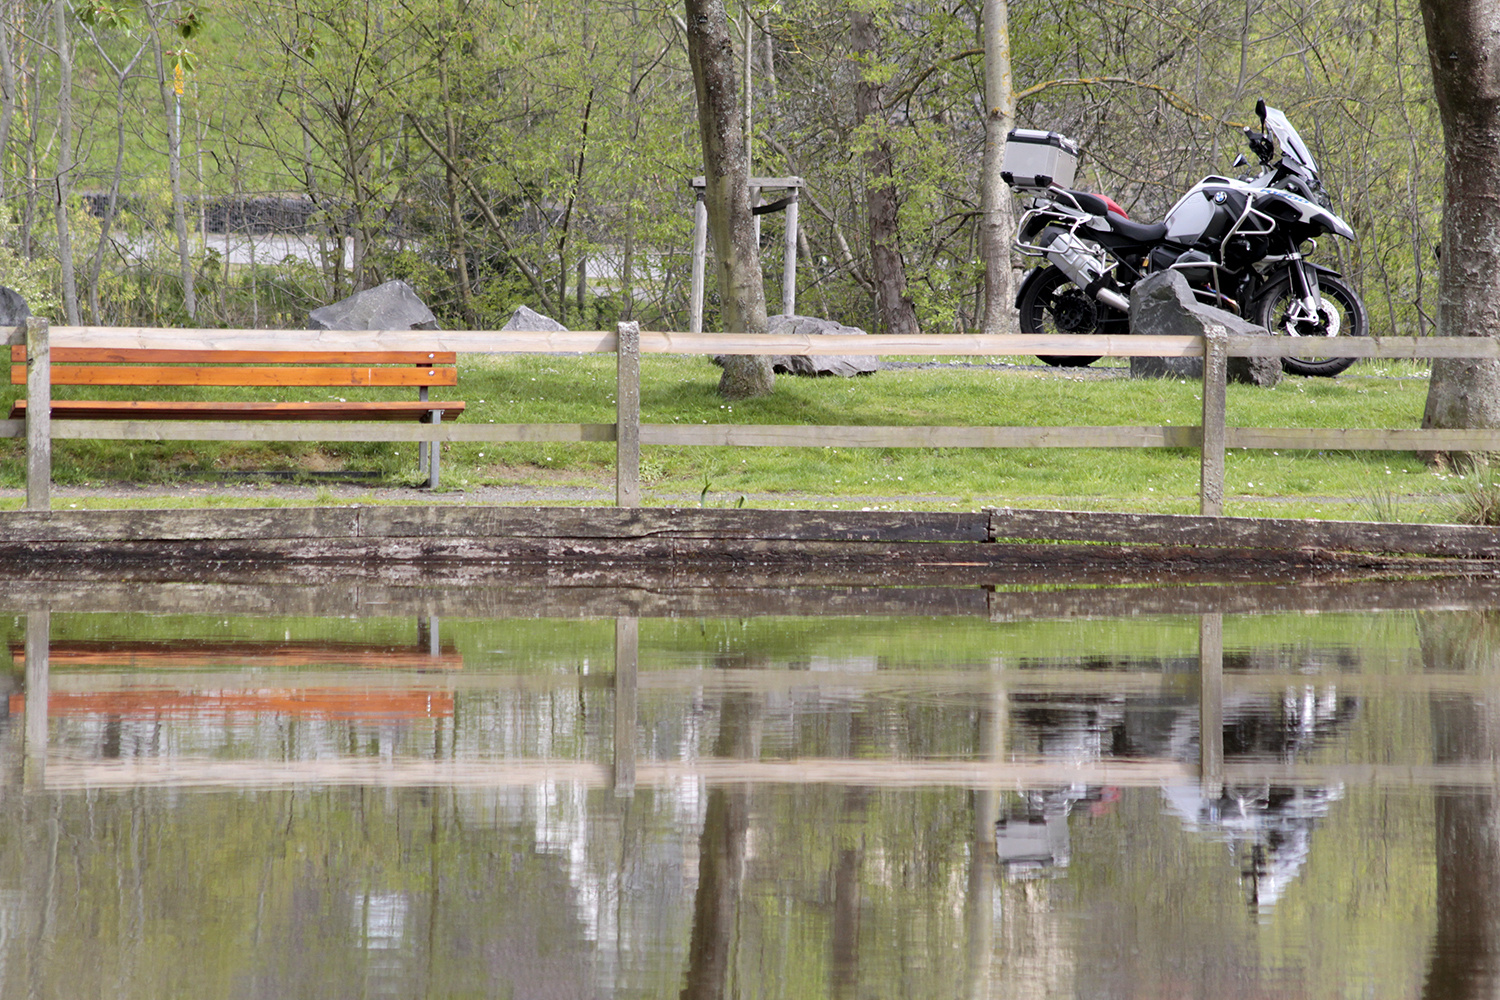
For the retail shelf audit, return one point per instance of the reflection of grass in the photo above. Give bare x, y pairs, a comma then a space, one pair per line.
542, 389
967, 643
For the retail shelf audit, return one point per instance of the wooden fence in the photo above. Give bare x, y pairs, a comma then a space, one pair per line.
1212, 437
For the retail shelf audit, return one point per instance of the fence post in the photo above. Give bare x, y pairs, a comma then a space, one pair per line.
628, 415
38, 415
1215, 375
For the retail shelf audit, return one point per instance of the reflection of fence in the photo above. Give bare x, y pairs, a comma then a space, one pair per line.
995, 767
1212, 437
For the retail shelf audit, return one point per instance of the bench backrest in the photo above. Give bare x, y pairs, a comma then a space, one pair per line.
140, 366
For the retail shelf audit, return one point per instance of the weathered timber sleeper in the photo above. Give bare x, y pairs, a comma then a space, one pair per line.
422, 370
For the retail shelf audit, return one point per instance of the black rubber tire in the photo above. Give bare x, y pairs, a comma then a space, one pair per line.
1353, 321
1050, 304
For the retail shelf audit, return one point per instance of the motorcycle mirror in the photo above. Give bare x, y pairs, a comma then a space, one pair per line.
1260, 111
1239, 161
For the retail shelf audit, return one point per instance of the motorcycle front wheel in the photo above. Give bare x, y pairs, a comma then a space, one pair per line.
1050, 304
1341, 314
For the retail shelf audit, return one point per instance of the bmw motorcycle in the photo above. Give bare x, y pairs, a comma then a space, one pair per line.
1242, 244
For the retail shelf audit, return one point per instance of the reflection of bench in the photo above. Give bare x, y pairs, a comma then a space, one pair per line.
290, 370
174, 654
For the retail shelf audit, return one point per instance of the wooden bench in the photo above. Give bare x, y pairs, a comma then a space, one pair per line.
422, 370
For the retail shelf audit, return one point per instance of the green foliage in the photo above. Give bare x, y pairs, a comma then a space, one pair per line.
487, 150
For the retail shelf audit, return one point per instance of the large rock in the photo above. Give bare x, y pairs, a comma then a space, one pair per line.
1162, 304
391, 306
529, 319
13, 308
845, 365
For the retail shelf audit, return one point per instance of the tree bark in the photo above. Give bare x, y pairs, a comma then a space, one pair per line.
65, 162
994, 195
169, 101
727, 194
1463, 45
892, 303
7, 95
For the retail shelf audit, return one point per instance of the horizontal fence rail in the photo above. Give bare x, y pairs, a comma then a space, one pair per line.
1212, 437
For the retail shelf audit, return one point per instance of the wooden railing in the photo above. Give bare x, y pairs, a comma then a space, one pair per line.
1212, 437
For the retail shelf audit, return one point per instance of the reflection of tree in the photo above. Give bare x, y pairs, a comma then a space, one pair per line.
848, 864
721, 862
1465, 729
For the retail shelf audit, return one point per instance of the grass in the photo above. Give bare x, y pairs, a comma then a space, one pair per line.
556, 389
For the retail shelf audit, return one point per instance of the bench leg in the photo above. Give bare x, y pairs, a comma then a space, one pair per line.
433, 450
422, 445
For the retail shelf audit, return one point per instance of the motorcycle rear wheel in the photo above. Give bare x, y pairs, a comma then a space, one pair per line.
1052, 304
1342, 314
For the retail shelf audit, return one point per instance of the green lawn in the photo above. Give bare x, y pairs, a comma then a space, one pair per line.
556, 389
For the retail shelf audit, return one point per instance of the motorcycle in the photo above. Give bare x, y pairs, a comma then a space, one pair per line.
1242, 244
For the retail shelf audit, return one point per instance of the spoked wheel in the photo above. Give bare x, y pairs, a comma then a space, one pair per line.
1051, 304
1340, 314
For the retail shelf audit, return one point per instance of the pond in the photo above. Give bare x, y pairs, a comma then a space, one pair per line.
958, 794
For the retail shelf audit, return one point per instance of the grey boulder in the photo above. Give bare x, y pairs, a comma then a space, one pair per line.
1162, 304
391, 306
13, 308
529, 319
844, 365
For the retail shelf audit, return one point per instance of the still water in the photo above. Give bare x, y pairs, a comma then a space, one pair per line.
945, 805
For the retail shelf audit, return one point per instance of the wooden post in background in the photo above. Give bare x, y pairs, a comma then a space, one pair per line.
1215, 375
700, 264
628, 415
38, 415
789, 261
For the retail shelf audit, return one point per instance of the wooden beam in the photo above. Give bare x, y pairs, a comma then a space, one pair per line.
823, 435
1455, 540
267, 430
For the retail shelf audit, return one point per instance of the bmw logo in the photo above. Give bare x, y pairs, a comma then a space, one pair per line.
1220, 197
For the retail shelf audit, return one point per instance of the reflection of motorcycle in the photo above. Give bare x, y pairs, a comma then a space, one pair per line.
1239, 243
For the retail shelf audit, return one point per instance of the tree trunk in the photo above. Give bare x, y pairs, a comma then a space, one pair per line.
727, 194
65, 162
7, 95
994, 194
170, 105
1464, 51
122, 75
454, 196
892, 303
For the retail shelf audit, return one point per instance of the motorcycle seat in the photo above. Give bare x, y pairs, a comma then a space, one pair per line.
1139, 232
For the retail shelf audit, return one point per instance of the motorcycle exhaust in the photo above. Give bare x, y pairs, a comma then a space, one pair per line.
1083, 267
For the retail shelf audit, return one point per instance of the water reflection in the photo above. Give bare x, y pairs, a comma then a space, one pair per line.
895, 807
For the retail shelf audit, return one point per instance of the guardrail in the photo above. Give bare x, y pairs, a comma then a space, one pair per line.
1212, 437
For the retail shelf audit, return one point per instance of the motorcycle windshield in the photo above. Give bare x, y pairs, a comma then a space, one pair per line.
1292, 146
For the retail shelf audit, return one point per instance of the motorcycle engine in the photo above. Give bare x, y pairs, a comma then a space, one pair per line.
1242, 251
